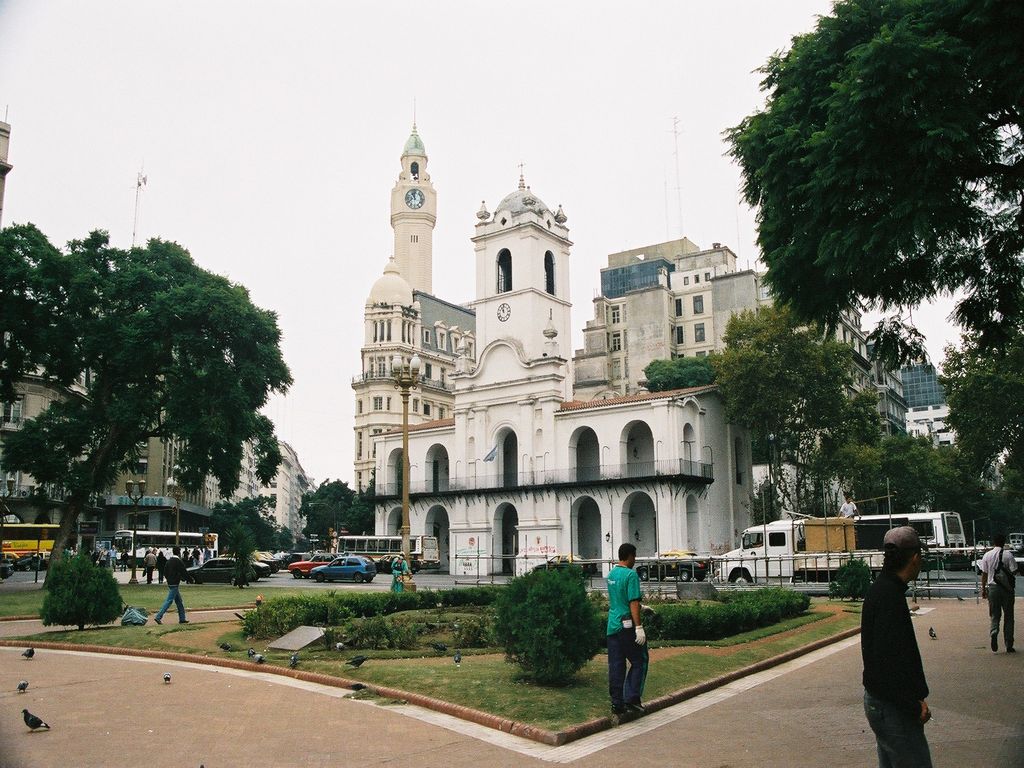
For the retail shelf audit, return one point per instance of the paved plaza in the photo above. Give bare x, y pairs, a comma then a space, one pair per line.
116, 711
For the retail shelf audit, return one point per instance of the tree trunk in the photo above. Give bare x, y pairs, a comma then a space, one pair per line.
66, 533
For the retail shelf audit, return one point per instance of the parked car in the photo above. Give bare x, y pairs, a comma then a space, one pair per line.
28, 562
218, 570
301, 569
287, 558
568, 561
385, 563
352, 567
269, 560
6, 566
674, 565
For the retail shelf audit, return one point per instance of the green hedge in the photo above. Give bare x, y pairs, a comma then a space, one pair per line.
280, 615
736, 613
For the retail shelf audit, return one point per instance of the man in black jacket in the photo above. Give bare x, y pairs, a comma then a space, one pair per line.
175, 572
894, 686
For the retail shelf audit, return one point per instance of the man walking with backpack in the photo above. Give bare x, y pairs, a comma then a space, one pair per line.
997, 586
175, 572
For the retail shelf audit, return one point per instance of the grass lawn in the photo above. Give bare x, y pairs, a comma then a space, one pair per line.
150, 597
484, 681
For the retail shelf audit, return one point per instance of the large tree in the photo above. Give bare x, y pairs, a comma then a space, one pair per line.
678, 373
985, 391
144, 343
888, 165
255, 515
790, 387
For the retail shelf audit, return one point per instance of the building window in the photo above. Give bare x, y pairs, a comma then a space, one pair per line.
13, 411
428, 371
701, 354
426, 408
686, 280
440, 411
359, 445
426, 336
707, 277
616, 314
696, 279
389, 330
616, 370
698, 332
442, 341
504, 271
549, 272
359, 406
698, 305
415, 405
414, 170
680, 336
679, 307
616, 342
378, 403
389, 404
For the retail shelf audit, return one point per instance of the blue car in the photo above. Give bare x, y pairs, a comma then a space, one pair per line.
346, 567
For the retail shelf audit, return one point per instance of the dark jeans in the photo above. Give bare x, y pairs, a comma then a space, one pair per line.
1000, 601
626, 688
149, 574
173, 595
899, 735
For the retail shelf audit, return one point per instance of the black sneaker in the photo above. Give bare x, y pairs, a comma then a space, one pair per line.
618, 709
157, 620
995, 643
1011, 649
636, 708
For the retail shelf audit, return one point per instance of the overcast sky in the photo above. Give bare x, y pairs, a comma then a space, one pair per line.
270, 134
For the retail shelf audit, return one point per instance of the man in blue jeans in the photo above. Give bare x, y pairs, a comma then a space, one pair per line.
175, 572
626, 637
894, 686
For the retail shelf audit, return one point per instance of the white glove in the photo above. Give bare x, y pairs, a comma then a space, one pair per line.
641, 636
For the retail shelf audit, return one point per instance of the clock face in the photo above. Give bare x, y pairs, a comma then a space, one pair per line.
414, 198
504, 312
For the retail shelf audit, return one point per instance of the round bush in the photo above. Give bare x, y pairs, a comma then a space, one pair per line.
547, 625
852, 580
80, 593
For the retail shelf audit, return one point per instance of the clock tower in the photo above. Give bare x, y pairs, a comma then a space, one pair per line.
413, 215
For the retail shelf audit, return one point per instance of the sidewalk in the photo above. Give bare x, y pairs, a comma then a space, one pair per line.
115, 711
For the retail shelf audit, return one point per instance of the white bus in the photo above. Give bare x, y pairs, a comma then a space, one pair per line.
936, 529
163, 540
423, 551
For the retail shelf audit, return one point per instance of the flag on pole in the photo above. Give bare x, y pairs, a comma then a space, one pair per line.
490, 456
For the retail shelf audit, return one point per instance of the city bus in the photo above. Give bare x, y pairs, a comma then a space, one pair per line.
27, 538
423, 551
936, 529
163, 540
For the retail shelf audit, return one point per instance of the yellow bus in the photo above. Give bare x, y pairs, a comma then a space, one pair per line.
27, 538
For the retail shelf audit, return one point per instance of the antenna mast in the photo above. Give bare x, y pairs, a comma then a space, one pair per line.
140, 182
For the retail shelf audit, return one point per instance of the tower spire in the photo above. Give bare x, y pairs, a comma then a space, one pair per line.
522, 181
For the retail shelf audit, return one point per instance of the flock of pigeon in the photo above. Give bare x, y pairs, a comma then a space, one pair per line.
34, 722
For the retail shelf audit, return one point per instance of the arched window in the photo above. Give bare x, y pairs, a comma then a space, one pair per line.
549, 272
415, 169
504, 271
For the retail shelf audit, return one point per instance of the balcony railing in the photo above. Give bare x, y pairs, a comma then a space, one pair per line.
607, 473
363, 378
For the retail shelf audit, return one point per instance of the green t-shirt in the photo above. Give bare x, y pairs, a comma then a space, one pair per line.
623, 588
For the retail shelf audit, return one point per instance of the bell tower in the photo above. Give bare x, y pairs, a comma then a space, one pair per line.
413, 215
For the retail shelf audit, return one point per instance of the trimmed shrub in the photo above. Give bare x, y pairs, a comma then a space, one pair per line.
80, 593
473, 632
736, 613
379, 632
852, 580
547, 625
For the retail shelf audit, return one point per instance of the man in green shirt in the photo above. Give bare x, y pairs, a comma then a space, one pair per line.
626, 637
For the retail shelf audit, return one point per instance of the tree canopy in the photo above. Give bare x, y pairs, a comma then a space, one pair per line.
144, 343
888, 166
334, 505
255, 515
678, 373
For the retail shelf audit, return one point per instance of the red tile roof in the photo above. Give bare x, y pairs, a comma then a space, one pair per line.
436, 423
639, 397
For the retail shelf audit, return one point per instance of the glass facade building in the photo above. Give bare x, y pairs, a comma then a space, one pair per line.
921, 386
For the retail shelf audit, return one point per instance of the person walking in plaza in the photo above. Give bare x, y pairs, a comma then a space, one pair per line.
124, 561
399, 573
849, 509
997, 586
895, 690
149, 561
175, 572
627, 640
161, 565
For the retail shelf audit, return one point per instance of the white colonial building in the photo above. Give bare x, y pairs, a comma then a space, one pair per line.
521, 470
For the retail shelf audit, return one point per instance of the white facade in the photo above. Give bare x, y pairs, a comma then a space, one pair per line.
522, 469
930, 421
287, 488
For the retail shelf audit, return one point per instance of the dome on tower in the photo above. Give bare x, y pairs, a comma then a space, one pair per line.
391, 287
414, 146
520, 201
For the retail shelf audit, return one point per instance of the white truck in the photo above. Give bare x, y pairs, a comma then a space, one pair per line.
788, 551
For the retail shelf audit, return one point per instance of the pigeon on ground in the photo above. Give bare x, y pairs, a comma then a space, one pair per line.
439, 647
167, 677
258, 658
251, 652
28, 653
356, 661
458, 658
225, 647
358, 687
293, 660
23, 686
339, 646
931, 634
32, 721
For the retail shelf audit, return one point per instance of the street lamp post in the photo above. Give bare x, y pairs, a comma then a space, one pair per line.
406, 376
8, 491
175, 491
135, 491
